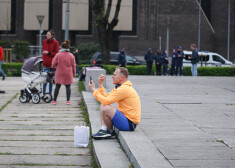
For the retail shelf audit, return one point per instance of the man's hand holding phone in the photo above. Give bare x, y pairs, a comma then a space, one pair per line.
91, 85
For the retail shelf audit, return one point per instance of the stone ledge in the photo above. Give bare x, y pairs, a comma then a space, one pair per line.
108, 153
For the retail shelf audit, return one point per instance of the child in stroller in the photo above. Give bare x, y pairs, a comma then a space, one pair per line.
32, 74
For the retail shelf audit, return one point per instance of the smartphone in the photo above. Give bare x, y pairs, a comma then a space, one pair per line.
90, 79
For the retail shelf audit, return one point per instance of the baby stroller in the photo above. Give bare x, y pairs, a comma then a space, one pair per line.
32, 74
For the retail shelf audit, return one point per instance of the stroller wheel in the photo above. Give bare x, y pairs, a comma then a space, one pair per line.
35, 98
23, 98
47, 97
28, 99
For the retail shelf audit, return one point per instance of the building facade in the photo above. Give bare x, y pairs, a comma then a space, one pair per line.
141, 23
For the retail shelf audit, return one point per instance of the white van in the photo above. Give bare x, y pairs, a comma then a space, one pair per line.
208, 59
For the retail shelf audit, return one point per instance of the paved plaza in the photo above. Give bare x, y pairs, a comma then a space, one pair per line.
39, 135
187, 122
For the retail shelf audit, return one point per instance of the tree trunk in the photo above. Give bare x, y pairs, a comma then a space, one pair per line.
105, 29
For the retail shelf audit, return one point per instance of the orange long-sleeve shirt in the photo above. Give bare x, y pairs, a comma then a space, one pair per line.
126, 97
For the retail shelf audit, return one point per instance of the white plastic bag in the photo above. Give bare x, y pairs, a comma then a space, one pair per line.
81, 136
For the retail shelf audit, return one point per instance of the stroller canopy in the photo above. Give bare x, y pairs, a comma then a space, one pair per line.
32, 64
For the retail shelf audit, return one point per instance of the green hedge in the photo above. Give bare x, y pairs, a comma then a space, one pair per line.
13, 69
86, 51
20, 48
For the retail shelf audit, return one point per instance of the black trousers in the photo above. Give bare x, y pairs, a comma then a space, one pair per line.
57, 89
158, 69
165, 69
173, 65
179, 65
149, 68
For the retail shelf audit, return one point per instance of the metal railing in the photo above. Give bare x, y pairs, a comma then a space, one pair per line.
7, 55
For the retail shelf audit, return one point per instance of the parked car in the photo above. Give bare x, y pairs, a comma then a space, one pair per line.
97, 59
207, 58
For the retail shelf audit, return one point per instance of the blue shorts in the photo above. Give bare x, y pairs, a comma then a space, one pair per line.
122, 123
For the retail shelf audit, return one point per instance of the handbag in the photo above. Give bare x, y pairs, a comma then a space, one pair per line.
81, 136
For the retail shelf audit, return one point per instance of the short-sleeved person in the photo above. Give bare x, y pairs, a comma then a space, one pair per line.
122, 58
149, 57
128, 113
1, 70
50, 49
194, 59
65, 65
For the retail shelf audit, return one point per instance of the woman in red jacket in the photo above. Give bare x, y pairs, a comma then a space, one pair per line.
50, 48
1, 56
64, 62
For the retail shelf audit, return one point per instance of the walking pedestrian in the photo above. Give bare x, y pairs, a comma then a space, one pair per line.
149, 56
179, 62
158, 62
50, 49
122, 58
65, 65
1, 70
75, 53
165, 63
173, 62
194, 59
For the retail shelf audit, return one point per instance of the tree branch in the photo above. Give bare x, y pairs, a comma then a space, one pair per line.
108, 10
114, 22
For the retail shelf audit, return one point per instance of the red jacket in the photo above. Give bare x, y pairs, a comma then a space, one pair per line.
1, 53
52, 46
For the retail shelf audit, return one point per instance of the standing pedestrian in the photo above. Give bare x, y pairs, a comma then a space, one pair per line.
165, 63
75, 53
1, 70
194, 59
149, 56
65, 65
122, 58
173, 62
158, 62
50, 49
179, 62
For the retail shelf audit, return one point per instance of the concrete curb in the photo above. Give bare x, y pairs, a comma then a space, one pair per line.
108, 153
138, 147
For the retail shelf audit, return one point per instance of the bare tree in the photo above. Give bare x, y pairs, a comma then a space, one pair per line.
104, 27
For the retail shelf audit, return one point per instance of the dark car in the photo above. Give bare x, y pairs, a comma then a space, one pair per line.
97, 59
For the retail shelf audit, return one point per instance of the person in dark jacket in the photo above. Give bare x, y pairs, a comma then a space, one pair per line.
179, 62
149, 56
122, 58
165, 63
75, 53
158, 62
194, 59
50, 49
173, 62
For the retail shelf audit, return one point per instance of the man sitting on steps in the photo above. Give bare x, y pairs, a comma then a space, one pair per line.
128, 113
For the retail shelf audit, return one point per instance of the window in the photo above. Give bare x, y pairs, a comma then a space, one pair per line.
204, 58
129, 58
32, 8
5, 13
187, 57
218, 59
78, 15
